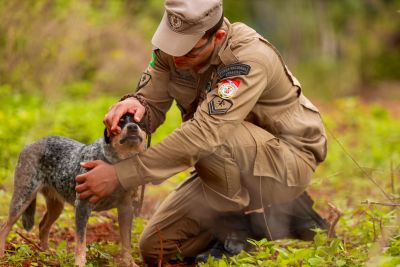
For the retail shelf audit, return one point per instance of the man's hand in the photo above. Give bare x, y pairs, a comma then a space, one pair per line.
129, 105
97, 183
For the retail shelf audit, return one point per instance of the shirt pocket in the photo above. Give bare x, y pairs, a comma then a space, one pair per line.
269, 155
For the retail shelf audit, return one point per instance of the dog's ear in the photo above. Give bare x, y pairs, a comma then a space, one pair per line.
106, 138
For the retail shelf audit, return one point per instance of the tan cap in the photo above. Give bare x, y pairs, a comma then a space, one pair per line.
184, 23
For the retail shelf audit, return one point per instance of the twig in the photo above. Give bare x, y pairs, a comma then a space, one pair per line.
107, 215
30, 241
383, 236
338, 214
380, 203
160, 257
357, 164
392, 176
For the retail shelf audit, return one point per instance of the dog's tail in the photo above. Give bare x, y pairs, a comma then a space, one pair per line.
28, 217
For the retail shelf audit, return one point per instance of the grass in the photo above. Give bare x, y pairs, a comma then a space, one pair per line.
363, 161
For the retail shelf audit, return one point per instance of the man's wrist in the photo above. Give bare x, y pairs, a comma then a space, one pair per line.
127, 173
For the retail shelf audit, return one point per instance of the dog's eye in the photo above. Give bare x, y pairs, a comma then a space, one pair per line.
141, 124
121, 122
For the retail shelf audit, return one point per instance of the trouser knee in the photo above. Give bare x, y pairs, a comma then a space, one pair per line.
148, 250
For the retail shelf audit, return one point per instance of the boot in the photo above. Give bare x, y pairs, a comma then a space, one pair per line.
295, 219
231, 236
232, 245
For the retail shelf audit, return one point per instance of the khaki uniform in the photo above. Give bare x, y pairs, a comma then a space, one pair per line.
252, 136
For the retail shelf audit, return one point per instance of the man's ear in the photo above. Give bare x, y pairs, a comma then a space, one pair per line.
220, 35
106, 137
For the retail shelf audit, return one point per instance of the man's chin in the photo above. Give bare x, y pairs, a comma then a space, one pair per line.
182, 66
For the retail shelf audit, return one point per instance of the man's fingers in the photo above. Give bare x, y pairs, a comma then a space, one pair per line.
90, 164
139, 114
81, 178
85, 194
115, 117
80, 188
94, 199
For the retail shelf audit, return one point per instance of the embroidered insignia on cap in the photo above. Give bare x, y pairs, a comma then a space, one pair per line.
228, 88
174, 22
146, 77
219, 106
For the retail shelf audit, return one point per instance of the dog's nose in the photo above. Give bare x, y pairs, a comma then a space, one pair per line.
133, 127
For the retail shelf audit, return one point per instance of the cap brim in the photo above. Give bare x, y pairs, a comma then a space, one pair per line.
173, 43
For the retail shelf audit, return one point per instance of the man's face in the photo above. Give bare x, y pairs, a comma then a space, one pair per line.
197, 56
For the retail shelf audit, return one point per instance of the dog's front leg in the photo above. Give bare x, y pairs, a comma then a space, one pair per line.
125, 216
83, 209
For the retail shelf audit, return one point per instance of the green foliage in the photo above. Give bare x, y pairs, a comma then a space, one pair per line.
84, 47
70, 47
62, 59
340, 46
322, 252
17, 115
368, 133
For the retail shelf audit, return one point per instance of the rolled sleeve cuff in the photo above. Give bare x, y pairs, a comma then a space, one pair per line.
127, 173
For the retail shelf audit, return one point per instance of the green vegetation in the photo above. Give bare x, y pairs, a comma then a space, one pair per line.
64, 62
366, 234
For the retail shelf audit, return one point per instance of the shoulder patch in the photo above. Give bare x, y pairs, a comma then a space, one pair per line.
233, 70
228, 88
219, 106
153, 59
146, 77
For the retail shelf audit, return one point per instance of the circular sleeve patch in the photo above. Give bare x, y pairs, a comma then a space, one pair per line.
228, 88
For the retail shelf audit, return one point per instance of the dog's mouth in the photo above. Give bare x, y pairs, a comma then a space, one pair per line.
132, 138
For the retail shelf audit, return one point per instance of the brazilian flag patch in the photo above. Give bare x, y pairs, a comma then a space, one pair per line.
153, 59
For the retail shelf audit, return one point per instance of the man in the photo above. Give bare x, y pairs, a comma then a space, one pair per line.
251, 135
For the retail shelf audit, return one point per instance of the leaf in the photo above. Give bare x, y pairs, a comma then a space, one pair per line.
315, 261
340, 262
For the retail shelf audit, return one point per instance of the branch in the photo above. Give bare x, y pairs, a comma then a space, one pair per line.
380, 203
30, 241
337, 214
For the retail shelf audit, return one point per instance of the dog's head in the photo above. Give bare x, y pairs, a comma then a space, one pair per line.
130, 141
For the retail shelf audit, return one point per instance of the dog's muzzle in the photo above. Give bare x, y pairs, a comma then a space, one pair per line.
132, 134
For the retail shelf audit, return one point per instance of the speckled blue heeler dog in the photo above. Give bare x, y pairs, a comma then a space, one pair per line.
50, 166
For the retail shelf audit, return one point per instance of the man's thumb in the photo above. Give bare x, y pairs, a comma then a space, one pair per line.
89, 164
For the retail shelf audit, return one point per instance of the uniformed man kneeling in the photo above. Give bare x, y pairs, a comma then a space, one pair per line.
251, 135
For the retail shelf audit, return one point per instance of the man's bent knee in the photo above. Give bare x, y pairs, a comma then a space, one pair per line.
149, 247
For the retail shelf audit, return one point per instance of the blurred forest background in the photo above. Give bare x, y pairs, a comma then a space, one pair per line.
75, 48
63, 63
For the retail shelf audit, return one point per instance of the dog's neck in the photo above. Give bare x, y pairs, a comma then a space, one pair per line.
112, 156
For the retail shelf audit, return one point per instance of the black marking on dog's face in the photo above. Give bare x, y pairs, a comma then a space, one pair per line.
106, 137
125, 119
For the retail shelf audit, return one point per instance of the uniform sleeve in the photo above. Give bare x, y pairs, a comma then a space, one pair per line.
153, 88
214, 120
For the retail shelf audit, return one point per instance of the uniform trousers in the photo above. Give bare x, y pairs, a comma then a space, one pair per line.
224, 186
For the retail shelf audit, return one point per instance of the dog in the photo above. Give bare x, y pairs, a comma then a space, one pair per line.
50, 166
